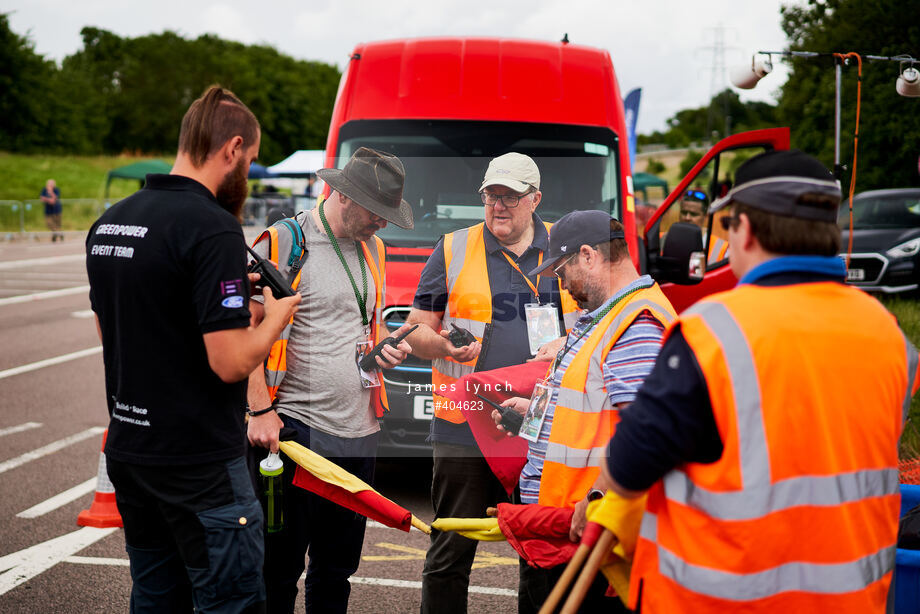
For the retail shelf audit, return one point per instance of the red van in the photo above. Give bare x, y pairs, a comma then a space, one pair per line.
446, 106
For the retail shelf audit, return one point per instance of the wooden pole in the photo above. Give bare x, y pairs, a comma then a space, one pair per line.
421, 526
568, 574
601, 549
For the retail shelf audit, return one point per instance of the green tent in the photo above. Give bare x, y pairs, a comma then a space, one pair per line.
137, 171
643, 181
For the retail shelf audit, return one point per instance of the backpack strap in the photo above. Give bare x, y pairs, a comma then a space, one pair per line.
298, 245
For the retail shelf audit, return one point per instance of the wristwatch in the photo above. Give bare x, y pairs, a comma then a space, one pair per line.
253, 414
595, 494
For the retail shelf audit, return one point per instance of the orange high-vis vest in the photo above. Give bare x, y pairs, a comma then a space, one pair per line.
375, 256
810, 385
584, 419
718, 250
469, 306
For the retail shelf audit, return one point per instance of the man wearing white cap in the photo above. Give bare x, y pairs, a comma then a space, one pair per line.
476, 280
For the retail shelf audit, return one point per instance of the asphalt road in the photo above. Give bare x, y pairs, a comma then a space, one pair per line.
52, 416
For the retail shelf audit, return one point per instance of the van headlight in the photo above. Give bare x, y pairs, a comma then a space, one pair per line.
906, 249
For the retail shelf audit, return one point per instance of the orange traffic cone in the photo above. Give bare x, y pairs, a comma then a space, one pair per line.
103, 513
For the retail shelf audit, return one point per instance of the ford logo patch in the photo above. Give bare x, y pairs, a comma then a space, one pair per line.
232, 302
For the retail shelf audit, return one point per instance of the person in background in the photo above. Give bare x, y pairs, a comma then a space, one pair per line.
51, 196
767, 432
694, 205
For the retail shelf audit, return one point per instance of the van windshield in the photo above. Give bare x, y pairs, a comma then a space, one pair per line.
445, 162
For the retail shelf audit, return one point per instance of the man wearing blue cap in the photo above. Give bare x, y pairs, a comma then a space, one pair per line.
604, 360
767, 432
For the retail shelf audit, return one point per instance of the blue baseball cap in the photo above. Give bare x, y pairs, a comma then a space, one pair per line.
574, 230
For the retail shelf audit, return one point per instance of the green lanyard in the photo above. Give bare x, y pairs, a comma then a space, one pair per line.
561, 354
362, 299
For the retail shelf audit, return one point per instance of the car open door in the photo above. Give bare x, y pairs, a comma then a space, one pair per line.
688, 204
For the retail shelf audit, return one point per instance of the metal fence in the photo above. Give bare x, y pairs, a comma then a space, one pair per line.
22, 217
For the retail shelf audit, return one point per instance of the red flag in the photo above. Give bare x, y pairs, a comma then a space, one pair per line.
326, 479
539, 533
506, 455
368, 503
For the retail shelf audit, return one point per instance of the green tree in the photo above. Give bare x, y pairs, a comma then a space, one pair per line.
144, 86
26, 88
724, 115
889, 124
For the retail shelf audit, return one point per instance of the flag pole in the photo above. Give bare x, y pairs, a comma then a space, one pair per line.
601, 550
421, 526
568, 574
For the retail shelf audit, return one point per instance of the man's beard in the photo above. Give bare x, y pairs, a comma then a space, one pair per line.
353, 225
233, 189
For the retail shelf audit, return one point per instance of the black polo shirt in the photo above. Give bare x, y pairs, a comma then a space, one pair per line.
505, 342
167, 265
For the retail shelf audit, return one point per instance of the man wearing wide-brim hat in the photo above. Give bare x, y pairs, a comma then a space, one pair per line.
311, 382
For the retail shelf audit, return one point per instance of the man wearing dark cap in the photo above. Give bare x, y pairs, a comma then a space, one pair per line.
606, 356
311, 381
767, 432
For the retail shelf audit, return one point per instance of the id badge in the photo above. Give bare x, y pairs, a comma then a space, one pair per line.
369, 379
536, 413
542, 325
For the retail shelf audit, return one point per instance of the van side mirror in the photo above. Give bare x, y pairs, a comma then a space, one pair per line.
682, 259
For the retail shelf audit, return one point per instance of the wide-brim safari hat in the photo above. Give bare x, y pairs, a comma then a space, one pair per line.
374, 180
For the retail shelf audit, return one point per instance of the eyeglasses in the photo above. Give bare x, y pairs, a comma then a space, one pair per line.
727, 222
510, 201
564, 262
696, 195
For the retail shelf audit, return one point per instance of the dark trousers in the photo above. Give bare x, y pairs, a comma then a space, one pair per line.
332, 534
462, 486
536, 585
193, 536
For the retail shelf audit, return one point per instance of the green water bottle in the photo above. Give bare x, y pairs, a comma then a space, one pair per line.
271, 468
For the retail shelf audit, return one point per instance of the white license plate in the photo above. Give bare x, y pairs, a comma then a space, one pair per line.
856, 274
423, 408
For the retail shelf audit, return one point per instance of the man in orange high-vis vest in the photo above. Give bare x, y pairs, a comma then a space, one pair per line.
767, 432
693, 208
477, 279
314, 385
606, 356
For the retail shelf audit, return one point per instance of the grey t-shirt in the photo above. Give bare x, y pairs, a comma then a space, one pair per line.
321, 387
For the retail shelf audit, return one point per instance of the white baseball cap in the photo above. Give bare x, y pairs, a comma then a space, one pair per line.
512, 170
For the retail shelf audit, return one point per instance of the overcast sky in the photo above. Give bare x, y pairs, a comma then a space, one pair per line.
666, 47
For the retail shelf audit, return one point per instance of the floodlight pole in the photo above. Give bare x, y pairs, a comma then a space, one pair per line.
839, 61
838, 78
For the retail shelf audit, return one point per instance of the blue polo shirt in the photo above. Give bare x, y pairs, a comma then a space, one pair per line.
505, 342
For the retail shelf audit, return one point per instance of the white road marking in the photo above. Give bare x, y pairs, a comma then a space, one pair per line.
59, 500
28, 298
19, 428
97, 560
24, 565
51, 448
34, 262
481, 590
50, 361
86, 313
